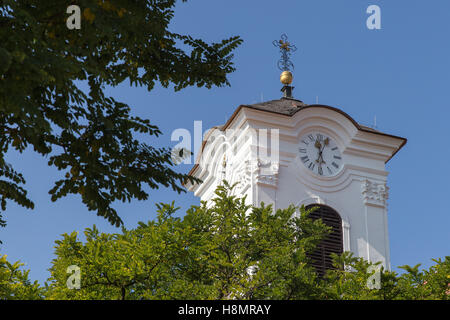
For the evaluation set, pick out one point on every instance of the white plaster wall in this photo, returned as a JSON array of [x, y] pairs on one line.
[[358, 192]]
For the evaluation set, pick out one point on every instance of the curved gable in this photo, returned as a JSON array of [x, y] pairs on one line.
[[289, 107]]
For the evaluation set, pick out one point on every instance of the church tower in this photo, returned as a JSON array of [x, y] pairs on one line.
[[284, 152]]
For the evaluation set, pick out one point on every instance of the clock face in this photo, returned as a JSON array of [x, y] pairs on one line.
[[320, 154]]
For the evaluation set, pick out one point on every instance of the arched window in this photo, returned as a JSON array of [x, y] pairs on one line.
[[321, 257]]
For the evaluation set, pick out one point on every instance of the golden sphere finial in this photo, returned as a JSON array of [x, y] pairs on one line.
[[286, 77]]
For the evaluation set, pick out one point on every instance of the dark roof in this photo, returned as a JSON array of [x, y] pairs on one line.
[[286, 106], [289, 107]]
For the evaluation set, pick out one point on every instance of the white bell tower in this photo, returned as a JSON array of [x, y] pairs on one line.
[[284, 152]]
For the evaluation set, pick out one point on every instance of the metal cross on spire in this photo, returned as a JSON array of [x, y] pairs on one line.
[[285, 64], [286, 49]]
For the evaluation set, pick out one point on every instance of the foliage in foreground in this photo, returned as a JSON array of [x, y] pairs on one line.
[[93, 139], [225, 250], [14, 282]]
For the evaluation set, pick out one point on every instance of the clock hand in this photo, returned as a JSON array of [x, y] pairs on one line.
[[321, 159], [318, 145], [325, 143]]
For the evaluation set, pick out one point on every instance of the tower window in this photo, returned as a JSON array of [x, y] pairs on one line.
[[321, 257]]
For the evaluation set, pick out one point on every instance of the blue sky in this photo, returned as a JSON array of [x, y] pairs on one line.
[[400, 74]]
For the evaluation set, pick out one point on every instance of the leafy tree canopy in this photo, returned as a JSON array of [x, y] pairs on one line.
[[227, 250], [14, 282], [89, 136]]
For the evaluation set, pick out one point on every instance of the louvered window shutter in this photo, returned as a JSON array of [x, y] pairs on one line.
[[321, 257]]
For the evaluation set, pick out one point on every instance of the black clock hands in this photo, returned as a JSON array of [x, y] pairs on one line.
[[319, 146], [320, 160]]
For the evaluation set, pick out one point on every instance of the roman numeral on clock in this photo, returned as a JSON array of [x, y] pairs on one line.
[[311, 166], [337, 157], [305, 159], [335, 164], [302, 150]]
